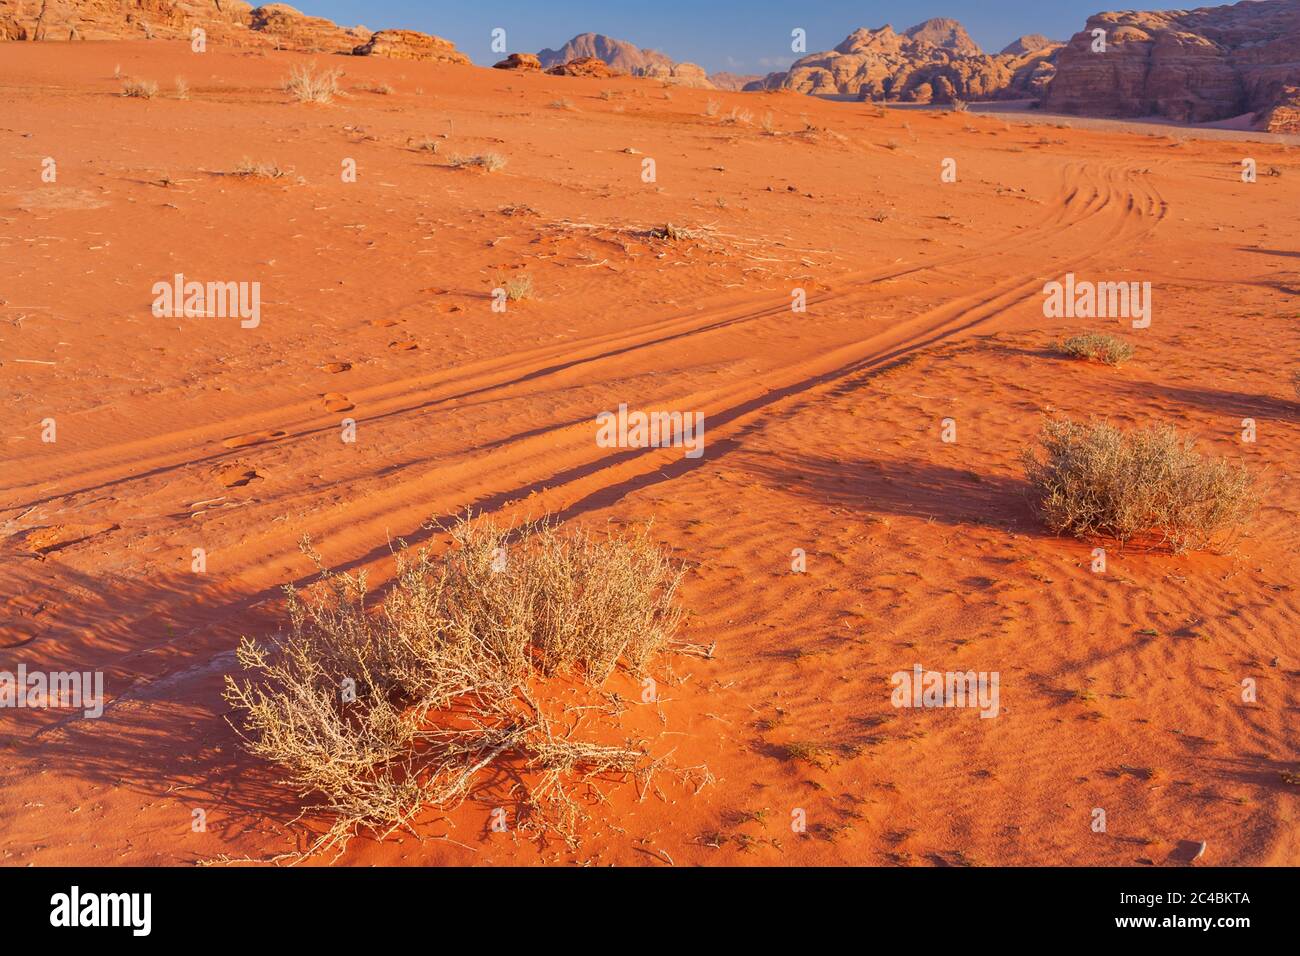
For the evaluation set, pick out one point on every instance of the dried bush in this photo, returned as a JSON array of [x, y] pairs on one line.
[[1097, 347], [1098, 480], [382, 713], [142, 89], [517, 287], [490, 162], [249, 169], [308, 86]]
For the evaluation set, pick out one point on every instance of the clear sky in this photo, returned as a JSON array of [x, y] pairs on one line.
[[744, 36]]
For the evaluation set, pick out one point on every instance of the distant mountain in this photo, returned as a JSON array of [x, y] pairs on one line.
[[946, 34], [1029, 43], [619, 54], [625, 57], [733, 81], [935, 61]]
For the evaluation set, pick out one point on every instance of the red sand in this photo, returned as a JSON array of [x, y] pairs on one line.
[[1119, 691]]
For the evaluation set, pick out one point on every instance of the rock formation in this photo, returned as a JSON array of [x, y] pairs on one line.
[[229, 22], [1188, 65], [524, 62], [619, 55], [583, 66], [732, 81], [935, 61], [410, 45]]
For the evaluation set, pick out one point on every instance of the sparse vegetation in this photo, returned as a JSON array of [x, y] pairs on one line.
[[562, 104], [674, 233], [737, 117], [960, 106], [489, 162], [769, 124], [379, 715], [141, 89], [425, 145], [1098, 480], [383, 89], [182, 88], [712, 107], [1095, 346], [517, 287], [249, 169], [308, 86]]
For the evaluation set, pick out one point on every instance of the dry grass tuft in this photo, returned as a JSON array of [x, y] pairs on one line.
[[141, 89], [517, 287], [1095, 346], [490, 162], [673, 233], [252, 170], [308, 86], [382, 713], [1098, 480], [182, 88]]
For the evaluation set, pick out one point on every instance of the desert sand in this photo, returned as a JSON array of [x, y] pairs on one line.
[[1120, 691]]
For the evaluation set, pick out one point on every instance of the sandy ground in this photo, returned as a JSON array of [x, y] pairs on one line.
[[1120, 691]]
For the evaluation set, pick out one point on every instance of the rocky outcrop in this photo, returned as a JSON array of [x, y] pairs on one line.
[[617, 54], [410, 45], [935, 61], [1029, 43], [679, 74], [1284, 115], [524, 62], [583, 66], [1187, 65], [292, 30], [732, 81], [228, 22]]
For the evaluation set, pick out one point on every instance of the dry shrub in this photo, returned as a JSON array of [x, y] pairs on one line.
[[382, 713], [142, 89], [1098, 480], [490, 162], [1295, 382], [563, 104], [249, 169], [516, 287], [671, 233], [1095, 346], [308, 86], [182, 88]]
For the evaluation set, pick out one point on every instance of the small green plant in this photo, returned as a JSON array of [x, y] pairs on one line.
[[1097, 347]]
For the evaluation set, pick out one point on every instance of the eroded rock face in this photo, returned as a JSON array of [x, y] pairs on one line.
[[935, 61], [583, 66], [1187, 65], [680, 74], [228, 22], [1284, 115], [410, 45], [732, 81], [617, 54], [524, 62]]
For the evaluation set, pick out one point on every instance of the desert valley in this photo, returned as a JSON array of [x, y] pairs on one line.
[[274, 291]]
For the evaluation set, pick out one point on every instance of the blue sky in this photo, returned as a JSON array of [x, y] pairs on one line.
[[746, 36]]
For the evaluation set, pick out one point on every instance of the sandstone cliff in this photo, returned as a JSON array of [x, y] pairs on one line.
[[231, 22], [935, 61], [1188, 65]]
